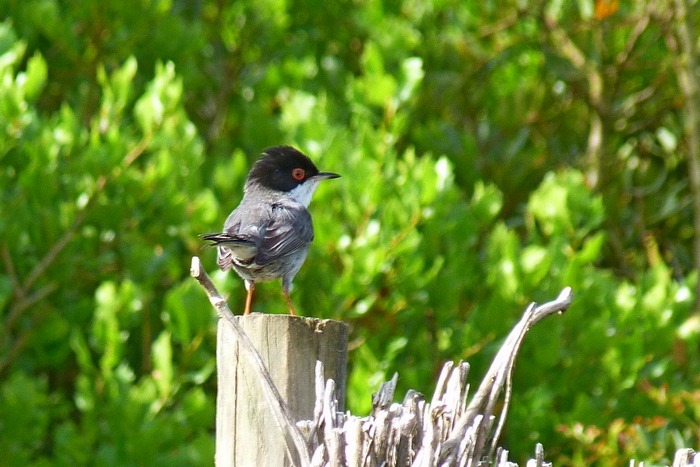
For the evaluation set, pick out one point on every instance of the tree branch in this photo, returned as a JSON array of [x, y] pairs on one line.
[[22, 288], [55, 250], [639, 28], [689, 84], [68, 235], [561, 41], [12, 274], [485, 398], [24, 303], [443, 431]]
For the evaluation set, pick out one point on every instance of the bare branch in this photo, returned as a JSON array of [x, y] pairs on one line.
[[55, 250], [68, 235], [442, 431], [17, 345], [689, 84], [10, 268], [213, 294], [22, 288], [502, 24], [561, 41], [24, 303], [136, 151], [639, 28]]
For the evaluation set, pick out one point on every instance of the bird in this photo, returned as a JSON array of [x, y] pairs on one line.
[[268, 235]]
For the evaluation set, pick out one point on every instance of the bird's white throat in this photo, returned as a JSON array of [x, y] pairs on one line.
[[304, 192]]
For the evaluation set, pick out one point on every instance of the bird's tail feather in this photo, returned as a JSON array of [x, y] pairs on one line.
[[226, 239]]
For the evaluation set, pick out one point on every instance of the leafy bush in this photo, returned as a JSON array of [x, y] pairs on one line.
[[462, 134]]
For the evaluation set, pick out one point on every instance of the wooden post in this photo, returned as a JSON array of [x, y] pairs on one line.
[[247, 432]]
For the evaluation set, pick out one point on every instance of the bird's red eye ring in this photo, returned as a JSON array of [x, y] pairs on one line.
[[298, 174]]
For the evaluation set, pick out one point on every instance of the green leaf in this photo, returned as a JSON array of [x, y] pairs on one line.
[[35, 77], [486, 202], [667, 139], [105, 326], [163, 372], [412, 74]]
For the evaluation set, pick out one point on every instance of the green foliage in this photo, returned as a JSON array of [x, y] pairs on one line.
[[470, 187], [95, 216]]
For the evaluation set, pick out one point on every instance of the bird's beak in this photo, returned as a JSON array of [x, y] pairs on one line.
[[326, 175]]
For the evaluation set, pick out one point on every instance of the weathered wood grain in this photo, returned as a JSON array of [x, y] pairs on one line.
[[289, 346]]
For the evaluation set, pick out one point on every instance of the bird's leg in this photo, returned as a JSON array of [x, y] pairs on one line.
[[250, 286], [292, 311]]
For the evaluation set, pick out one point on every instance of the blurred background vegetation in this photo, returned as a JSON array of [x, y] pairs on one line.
[[492, 153]]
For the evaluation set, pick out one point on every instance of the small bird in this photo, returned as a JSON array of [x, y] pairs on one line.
[[268, 235]]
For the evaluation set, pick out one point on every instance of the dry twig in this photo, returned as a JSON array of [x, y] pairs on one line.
[[443, 432]]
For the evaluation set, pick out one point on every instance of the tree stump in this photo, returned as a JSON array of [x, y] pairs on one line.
[[247, 431]]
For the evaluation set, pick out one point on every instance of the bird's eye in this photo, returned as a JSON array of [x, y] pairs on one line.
[[298, 174]]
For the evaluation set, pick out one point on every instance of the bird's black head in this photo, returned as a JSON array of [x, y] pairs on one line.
[[282, 168]]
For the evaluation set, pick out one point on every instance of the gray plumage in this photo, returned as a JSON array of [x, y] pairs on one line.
[[263, 241], [268, 235]]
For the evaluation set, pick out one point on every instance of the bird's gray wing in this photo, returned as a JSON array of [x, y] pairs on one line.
[[232, 248], [238, 243], [290, 228]]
